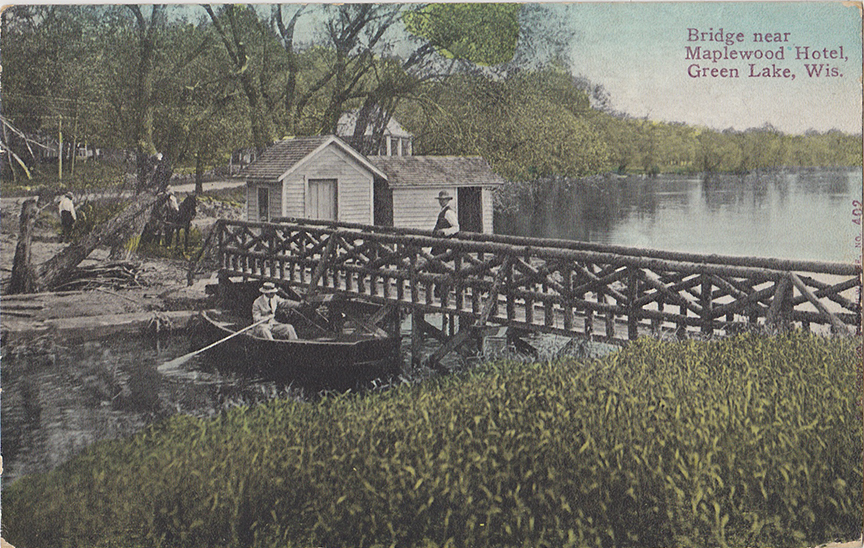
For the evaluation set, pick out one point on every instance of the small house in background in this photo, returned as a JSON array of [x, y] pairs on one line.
[[324, 178], [395, 141], [239, 159]]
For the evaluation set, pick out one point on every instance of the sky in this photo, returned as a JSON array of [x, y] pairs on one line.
[[638, 52]]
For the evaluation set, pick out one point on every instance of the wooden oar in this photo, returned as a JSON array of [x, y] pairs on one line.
[[176, 362]]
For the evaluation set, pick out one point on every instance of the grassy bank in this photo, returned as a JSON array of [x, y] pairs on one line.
[[742, 442]]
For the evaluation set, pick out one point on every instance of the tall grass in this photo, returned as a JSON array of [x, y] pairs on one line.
[[741, 442]]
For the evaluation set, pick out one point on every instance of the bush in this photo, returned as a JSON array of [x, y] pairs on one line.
[[746, 441]]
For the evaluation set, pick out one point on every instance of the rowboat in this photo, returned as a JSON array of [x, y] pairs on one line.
[[343, 360]]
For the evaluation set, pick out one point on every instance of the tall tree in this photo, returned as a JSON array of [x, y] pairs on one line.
[[147, 31], [240, 30]]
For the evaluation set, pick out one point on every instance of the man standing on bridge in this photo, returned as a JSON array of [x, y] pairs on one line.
[[447, 224]]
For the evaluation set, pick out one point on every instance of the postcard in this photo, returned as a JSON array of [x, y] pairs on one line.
[[439, 274]]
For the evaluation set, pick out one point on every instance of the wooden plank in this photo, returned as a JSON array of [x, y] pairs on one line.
[[670, 295], [429, 329], [830, 291], [365, 324]]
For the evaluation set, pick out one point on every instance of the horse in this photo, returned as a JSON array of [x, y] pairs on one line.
[[175, 221]]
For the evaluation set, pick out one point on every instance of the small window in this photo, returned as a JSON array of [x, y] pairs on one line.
[[263, 204]]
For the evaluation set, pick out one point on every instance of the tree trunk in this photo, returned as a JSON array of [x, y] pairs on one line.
[[53, 271], [120, 250], [23, 273], [199, 171]]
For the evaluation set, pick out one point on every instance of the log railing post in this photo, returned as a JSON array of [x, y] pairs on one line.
[[705, 300], [632, 309], [416, 338], [775, 317], [567, 273], [413, 282], [459, 288], [321, 267]]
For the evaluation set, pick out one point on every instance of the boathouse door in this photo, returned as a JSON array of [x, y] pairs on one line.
[[263, 204], [469, 209], [322, 199]]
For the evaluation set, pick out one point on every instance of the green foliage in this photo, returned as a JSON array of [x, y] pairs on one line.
[[485, 34], [92, 175], [741, 442], [528, 125]]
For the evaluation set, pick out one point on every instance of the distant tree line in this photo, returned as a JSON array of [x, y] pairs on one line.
[[198, 82]]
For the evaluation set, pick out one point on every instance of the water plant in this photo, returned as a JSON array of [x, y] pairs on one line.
[[748, 441]]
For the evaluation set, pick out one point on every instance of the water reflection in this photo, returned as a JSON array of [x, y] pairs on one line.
[[786, 214], [59, 397]]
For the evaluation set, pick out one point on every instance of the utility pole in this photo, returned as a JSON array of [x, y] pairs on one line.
[[60, 149]]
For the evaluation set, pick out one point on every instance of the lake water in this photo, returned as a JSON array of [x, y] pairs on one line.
[[61, 396], [803, 214]]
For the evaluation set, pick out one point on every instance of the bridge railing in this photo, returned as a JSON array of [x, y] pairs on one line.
[[607, 293]]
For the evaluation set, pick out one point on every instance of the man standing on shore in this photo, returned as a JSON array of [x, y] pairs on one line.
[[66, 207]]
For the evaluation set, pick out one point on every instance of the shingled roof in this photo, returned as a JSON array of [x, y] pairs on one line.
[[283, 156], [453, 171]]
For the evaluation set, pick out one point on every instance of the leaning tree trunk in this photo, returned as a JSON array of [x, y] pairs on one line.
[[155, 183], [121, 250], [54, 270], [23, 274]]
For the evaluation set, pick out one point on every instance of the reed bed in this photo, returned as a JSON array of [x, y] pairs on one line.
[[747, 441]]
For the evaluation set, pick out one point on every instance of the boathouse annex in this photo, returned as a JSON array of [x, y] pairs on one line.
[[324, 178]]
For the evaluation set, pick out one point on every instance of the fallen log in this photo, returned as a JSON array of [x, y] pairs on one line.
[[55, 270]]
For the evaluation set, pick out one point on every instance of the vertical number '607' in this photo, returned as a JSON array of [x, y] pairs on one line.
[[856, 212]]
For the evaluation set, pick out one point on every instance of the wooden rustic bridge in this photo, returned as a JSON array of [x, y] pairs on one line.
[[603, 293]]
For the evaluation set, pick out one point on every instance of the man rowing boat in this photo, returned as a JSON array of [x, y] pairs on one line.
[[267, 305]]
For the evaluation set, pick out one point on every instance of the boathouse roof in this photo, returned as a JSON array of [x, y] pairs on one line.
[[284, 157], [448, 171]]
